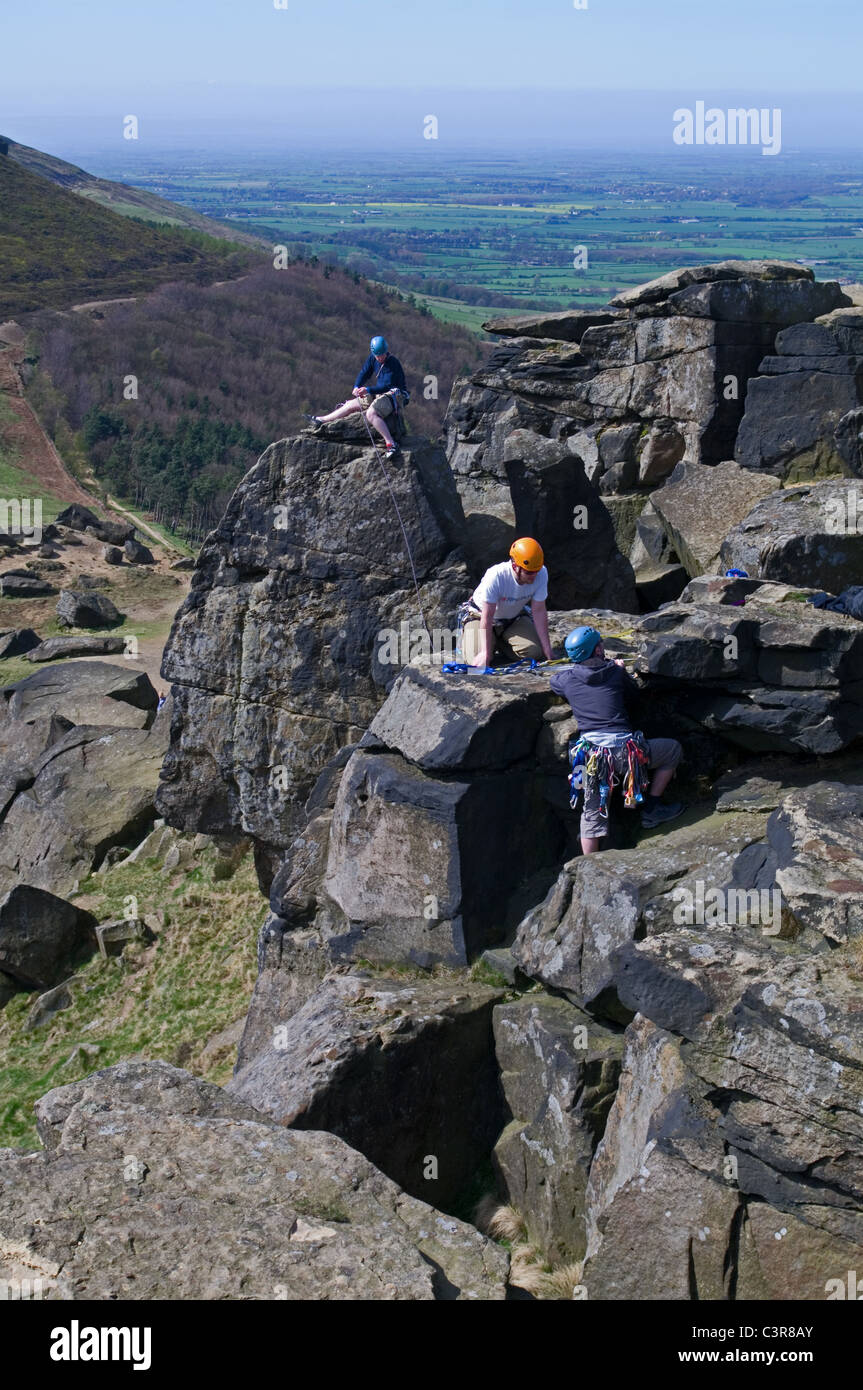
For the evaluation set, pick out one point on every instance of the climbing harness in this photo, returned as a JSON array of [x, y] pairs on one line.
[[465, 610], [594, 768]]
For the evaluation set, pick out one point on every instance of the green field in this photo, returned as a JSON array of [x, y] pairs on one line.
[[470, 236]]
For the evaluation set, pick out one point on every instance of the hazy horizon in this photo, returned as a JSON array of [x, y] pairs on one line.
[[497, 74], [609, 122]]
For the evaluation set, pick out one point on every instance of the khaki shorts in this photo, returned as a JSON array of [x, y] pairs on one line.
[[516, 639], [664, 753], [382, 406]]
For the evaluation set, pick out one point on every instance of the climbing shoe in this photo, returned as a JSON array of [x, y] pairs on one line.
[[312, 419], [392, 451], [652, 816]]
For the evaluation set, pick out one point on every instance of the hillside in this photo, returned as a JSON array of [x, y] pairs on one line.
[[121, 198], [222, 371], [57, 249]]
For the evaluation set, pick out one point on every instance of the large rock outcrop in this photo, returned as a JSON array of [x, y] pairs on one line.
[[559, 1069], [409, 850], [278, 655], [669, 1087], [156, 1185], [662, 380], [760, 1049], [731, 1162], [762, 668]]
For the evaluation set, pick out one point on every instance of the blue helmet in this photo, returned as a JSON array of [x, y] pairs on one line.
[[378, 345], [581, 643]]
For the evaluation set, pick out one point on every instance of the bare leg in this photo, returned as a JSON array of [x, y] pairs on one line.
[[349, 408], [375, 420], [660, 780], [590, 845]]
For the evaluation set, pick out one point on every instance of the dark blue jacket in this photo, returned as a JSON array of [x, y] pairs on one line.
[[597, 691], [390, 374]]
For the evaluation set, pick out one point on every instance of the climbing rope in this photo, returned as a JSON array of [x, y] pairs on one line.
[[380, 460], [526, 664]]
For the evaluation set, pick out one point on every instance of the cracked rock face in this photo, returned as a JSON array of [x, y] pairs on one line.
[[731, 1162], [421, 858], [402, 1070], [277, 656], [806, 535], [802, 410], [737, 1123], [620, 399], [67, 794], [758, 666], [154, 1184], [559, 1072]]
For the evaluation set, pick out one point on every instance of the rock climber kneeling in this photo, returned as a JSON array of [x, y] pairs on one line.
[[379, 390], [608, 751], [497, 618]]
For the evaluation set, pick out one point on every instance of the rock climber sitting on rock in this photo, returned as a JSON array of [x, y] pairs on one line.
[[608, 751], [497, 618], [376, 391]]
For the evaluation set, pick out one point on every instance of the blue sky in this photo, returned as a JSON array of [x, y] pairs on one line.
[[344, 71]]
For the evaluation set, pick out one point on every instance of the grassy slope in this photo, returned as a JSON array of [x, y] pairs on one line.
[[15, 480], [163, 1000], [121, 198], [58, 249]]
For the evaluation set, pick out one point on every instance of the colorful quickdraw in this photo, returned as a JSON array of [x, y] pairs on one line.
[[593, 769], [636, 779]]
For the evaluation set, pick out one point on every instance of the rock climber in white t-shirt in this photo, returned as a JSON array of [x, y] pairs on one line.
[[507, 610]]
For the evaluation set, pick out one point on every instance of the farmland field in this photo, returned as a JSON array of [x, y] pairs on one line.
[[473, 234]]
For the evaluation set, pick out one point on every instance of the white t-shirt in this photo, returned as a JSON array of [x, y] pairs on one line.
[[500, 586]]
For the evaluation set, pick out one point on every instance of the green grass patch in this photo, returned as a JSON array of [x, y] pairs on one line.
[[162, 1000], [171, 540], [481, 973], [16, 482], [465, 315], [15, 668]]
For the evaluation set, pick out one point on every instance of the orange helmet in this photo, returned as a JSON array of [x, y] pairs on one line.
[[527, 554]]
